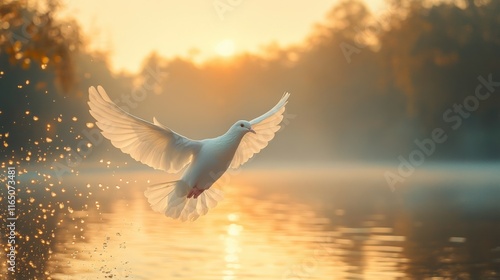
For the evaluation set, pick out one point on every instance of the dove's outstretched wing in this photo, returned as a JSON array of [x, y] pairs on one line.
[[152, 144], [265, 127]]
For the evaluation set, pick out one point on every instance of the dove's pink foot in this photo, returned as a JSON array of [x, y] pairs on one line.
[[195, 192]]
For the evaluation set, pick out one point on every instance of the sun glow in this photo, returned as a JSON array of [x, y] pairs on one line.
[[225, 48]]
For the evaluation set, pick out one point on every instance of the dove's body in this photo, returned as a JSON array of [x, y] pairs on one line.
[[161, 148], [212, 160]]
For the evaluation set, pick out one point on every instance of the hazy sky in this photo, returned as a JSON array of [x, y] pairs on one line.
[[133, 29]]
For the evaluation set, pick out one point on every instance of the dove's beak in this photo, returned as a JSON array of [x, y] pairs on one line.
[[251, 130]]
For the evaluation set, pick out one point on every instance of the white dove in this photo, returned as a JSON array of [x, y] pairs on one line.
[[161, 148]]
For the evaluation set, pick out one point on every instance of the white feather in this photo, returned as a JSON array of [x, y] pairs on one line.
[[265, 128], [154, 145]]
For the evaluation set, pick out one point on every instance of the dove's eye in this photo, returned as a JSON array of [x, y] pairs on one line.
[[242, 125]]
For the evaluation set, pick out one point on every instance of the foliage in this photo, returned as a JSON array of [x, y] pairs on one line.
[[32, 38]]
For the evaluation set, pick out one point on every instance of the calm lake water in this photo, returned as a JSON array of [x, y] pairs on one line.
[[442, 222]]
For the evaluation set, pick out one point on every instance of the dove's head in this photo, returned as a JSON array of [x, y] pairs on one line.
[[242, 127]]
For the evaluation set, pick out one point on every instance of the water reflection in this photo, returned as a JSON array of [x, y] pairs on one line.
[[280, 225]]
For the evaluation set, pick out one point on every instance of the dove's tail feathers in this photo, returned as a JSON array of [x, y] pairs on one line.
[[170, 198], [160, 195]]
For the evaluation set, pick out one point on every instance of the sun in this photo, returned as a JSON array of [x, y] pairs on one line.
[[225, 48]]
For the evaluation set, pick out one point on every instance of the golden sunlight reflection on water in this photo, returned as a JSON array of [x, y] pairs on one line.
[[254, 234], [282, 225]]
